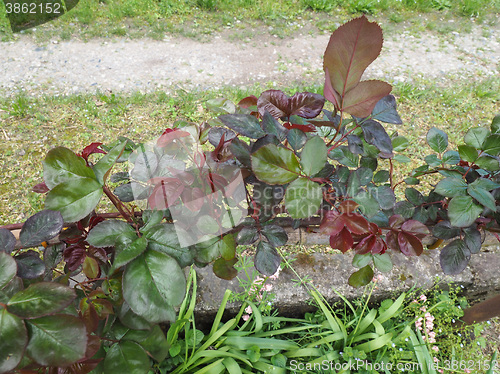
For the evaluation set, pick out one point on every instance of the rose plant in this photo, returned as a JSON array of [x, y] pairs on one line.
[[92, 293]]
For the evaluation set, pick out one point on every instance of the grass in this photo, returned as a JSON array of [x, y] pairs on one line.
[[198, 18], [31, 126]]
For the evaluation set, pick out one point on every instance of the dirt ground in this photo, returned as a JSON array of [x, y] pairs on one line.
[[66, 67]]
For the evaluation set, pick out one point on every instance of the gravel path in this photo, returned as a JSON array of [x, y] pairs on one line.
[[146, 65]]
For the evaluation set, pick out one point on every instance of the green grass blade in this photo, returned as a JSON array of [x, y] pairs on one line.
[[216, 367], [493, 361], [304, 352], [231, 365], [245, 342], [375, 343], [220, 312], [418, 349], [392, 310]]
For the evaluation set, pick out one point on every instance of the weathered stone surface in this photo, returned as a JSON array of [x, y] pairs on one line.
[[329, 274]]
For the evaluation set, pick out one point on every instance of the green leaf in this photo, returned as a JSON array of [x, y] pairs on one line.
[[404, 208], [121, 176], [130, 319], [360, 261], [414, 196], [296, 138], [57, 340], [104, 165], [245, 124], [412, 181], [437, 140], [382, 262], [475, 137], [152, 285], [271, 126], [163, 238], [467, 153], [361, 277], [491, 145], [153, 342], [400, 143], [129, 253], [275, 165], [483, 197], [276, 235], [454, 257], [13, 340], [402, 159], [10, 289], [303, 198], [105, 233], [485, 184], [41, 227], [444, 230], [451, 187], [241, 151], [495, 124], [432, 160], [41, 299], [224, 269], [126, 357], [7, 241], [370, 205], [451, 157], [381, 176], [75, 198], [313, 156], [8, 269], [462, 211], [63, 165], [344, 156], [489, 163], [267, 259]]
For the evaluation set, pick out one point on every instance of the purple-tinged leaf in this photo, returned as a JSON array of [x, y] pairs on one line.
[[7, 241], [454, 257], [267, 259], [40, 188], [306, 104], [41, 227], [215, 135], [343, 241], [361, 100], [275, 102], [351, 49], [409, 244], [375, 134], [29, 265], [385, 110], [244, 124]]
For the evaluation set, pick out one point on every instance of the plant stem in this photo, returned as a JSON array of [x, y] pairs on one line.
[[124, 212]]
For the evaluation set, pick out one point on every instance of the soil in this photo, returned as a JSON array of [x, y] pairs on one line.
[[66, 67]]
